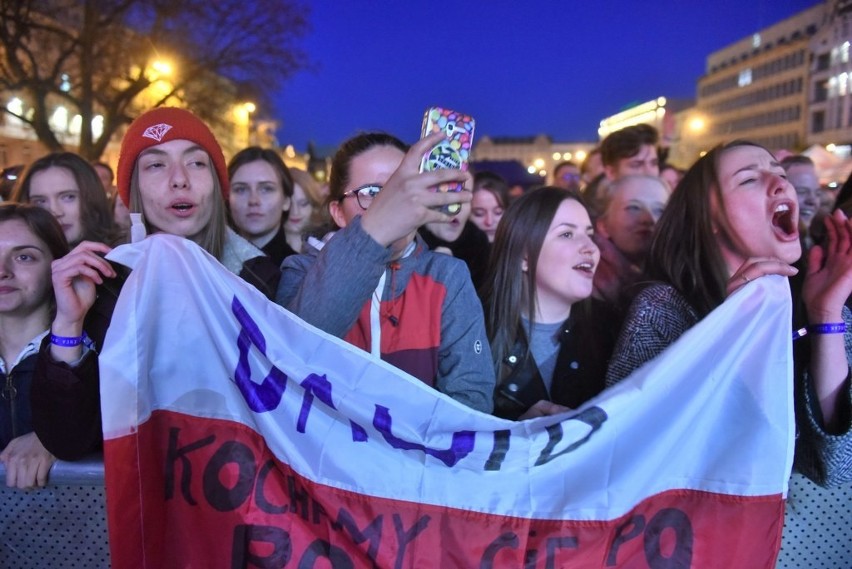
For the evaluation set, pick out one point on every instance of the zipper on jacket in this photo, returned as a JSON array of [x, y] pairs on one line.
[[10, 393]]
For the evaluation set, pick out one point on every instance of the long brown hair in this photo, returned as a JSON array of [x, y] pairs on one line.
[[95, 214], [40, 222], [685, 250], [508, 291], [43, 225]]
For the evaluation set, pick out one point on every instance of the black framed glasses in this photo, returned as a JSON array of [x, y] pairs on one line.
[[363, 195]]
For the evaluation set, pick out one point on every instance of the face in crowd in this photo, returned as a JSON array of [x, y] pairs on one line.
[[759, 210], [451, 230], [644, 162], [486, 211], [804, 179], [567, 177], [176, 188], [672, 176], [368, 172], [55, 189], [635, 206], [30, 239], [258, 201], [301, 210], [566, 263], [592, 166], [105, 176]]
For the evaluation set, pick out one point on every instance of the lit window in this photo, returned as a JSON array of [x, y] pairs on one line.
[[16, 106], [755, 41], [97, 126], [59, 119], [744, 78], [76, 123]]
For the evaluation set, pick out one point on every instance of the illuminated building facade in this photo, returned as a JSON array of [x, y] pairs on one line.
[[236, 128], [659, 113], [538, 154], [757, 88], [829, 119]]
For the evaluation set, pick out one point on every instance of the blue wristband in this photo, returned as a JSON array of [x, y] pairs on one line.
[[67, 341], [829, 328]]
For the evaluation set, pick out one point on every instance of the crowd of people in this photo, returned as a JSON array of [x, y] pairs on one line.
[[520, 306]]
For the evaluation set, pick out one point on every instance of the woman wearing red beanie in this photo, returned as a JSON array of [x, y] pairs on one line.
[[172, 171]]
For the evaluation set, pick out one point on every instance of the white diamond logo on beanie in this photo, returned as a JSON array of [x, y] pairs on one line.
[[157, 132]]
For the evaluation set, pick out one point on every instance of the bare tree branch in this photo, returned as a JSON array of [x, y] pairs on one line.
[[96, 57]]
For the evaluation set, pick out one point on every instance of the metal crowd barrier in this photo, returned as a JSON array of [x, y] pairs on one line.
[[64, 524], [60, 525]]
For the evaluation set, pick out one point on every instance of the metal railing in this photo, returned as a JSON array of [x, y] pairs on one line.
[[60, 525]]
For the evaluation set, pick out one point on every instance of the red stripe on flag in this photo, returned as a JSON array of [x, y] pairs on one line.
[[192, 492]]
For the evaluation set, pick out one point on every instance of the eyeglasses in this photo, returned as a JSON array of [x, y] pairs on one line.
[[364, 195]]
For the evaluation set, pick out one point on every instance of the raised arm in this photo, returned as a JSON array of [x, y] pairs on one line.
[[827, 285], [65, 391]]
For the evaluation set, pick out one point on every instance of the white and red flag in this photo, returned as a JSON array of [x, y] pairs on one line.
[[238, 436]]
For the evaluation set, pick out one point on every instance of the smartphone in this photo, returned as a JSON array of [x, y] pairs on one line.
[[451, 153]]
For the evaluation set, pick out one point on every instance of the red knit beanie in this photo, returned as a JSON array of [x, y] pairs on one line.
[[163, 125]]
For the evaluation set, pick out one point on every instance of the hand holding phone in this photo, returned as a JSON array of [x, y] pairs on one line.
[[453, 152]]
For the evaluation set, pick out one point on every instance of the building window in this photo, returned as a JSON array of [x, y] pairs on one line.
[[823, 61], [821, 93], [744, 78], [818, 122]]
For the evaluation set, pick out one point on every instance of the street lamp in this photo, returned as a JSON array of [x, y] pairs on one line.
[[163, 68], [697, 124], [249, 108]]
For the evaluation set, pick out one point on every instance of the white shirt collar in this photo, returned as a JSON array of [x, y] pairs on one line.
[[31, 348]]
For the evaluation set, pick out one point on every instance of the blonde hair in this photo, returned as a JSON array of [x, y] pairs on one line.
[[313, 192], [615, 186], [309, 185]]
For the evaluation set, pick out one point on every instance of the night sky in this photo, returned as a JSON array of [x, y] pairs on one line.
[[520, 68]]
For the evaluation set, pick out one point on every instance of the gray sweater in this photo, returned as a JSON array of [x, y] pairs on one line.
[[430, 320]]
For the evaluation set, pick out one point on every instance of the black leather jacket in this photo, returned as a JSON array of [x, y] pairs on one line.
[[587, 340]]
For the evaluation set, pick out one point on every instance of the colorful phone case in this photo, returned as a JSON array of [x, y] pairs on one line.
[[452, 153]]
